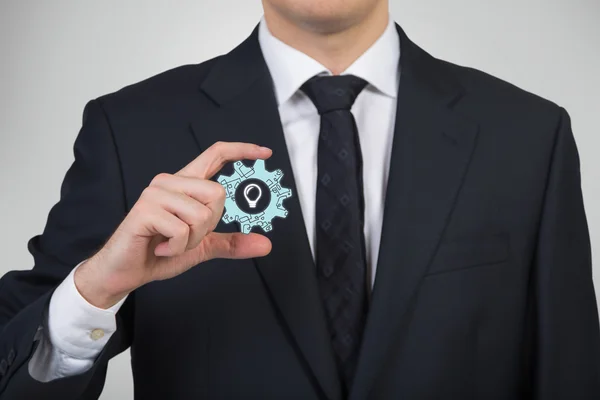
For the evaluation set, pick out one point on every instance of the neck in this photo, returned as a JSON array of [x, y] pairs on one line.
[[334, 49]]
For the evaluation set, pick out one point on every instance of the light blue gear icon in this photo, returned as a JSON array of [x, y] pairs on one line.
[[274, 209]]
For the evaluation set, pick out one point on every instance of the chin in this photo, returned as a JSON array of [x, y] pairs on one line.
[[324, 15]]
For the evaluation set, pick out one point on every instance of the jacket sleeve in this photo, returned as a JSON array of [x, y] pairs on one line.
[[567, 333], [92, 204]]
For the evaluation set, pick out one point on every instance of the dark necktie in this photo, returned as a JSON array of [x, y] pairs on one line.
[[340, 247]]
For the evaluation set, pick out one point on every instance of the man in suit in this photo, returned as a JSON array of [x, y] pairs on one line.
[[436, 244]]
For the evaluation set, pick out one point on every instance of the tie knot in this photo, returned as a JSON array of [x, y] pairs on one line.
[[330, 93]]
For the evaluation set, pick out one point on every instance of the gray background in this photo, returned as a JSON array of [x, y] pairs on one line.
[[56, 55]]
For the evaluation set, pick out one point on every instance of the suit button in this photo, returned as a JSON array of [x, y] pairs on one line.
[[97, 334], [11, 357], [3, 367]]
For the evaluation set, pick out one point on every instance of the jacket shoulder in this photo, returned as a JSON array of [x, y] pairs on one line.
[[492, 91], [169, 84]]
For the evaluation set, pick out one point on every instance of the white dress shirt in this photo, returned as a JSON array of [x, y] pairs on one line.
[[78, 331]]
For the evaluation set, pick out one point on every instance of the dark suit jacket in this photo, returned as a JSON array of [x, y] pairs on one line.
[[484, 283]]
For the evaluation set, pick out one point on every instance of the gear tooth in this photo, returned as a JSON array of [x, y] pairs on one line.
[[259, 165]]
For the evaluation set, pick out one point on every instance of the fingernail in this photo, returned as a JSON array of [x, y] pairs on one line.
[[265, 148]]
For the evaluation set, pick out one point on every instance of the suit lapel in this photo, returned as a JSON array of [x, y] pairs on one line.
[[431, 150], [244, 109]]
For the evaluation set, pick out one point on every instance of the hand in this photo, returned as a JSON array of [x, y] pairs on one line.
[[170, 229]]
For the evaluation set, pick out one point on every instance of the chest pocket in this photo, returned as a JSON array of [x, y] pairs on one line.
[[469, 252]]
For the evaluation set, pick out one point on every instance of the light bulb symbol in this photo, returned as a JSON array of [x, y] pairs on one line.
[[252, 202]]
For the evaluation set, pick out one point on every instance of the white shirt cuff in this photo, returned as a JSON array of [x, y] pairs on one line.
[[75, 327]]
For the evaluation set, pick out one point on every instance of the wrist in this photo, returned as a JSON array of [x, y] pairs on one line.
[[94, 285]]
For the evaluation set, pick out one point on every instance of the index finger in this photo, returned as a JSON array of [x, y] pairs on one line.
[[216, 156]]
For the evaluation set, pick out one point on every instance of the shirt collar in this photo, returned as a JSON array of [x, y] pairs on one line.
[[290, 68]]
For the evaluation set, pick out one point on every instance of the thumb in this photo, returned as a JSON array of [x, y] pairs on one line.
[[234, 245]]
